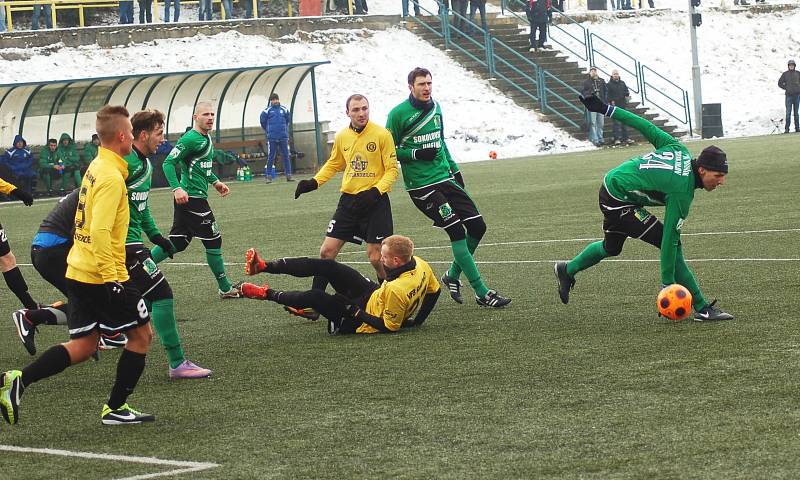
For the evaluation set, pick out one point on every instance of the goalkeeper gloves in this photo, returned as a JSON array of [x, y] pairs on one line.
[[305, 186], [165, 244], [594, 104], [366, 199], [22, 196], [427, 154]]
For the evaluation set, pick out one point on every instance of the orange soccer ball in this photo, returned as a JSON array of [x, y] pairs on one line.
[[493, 155], [674, 302]]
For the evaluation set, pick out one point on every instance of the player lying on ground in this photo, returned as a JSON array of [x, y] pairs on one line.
[[667, 176], [359, 305]]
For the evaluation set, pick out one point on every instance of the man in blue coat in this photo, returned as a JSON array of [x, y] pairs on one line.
[[275, 123], [20, 162]]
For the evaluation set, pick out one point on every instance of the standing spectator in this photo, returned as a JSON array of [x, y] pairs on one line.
[[48, 165], [68, 159], [416, 8], [559, 5], [228, 6], [594, 85], [20, 162], [361, 7], [145, 11], [790, 83], [459, 7], [479, 5], [539, 15], [618, 95], [90, 150], [205, 10], [3, 19], [48, 13], [126, 12], [177, 4], [275, 123]]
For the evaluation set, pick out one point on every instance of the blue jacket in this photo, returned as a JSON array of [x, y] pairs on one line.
[[19, 160], [275, 122]]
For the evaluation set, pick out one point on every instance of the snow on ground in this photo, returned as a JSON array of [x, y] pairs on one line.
[[741, 54]]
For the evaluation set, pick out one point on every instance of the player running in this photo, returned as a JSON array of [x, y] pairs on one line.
[[436, 185], [360, 305], [8, 262], [667, 176]]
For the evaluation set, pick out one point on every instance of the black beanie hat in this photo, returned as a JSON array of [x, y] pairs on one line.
[[274, 96], [713, 158]]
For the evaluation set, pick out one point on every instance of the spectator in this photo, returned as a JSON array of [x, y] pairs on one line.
[[275, 123], [228, 6], [145, 11], [177, 4], [650, 2], [790, 83], [539, 15], [205, 10], [20, 162], [67, 157], [405, 8], [90, 149], [594, 85], [479, 5], [3, 19], [459, 7], [48, 165], [618, 95], [126, 12], [361, 7], [47, 11], [248, 8]]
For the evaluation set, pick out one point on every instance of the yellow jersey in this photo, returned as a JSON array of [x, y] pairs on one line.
[[101, 222], [5, 187], [367, 158], [398, 299]]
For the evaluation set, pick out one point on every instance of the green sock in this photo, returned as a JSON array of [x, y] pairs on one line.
[[472, 245], [591, 255], [167, 330], [217, 265], [464, 259], [685, 277], [158, 254]]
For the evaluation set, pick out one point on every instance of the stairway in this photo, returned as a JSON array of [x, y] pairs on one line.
[[510, 32]]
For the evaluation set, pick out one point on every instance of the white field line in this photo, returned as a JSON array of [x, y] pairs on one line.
[[186, 467]]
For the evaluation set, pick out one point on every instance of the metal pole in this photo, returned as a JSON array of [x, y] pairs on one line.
[[696, 88]]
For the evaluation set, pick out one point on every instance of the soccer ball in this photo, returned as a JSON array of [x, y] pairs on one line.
[[674, 302], [493, 155]]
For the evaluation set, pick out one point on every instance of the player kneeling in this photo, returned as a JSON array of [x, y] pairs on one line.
[[360, 305]]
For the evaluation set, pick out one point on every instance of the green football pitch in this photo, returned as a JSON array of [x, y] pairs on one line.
[[600, 388]]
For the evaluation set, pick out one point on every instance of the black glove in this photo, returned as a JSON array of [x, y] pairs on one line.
[[305, 186], [459, 179], [22, 196], [366, 199], [165, 244], [424, 153], [594, 104], [115, 292]]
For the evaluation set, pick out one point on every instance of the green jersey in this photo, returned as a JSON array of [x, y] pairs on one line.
[[194, 154], [413, 128], [140, 171], [661, 177]]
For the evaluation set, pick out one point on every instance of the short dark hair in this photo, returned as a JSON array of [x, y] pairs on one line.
[[418, 72], [274, 96], [146, 121], [355, 96], [52, 140]]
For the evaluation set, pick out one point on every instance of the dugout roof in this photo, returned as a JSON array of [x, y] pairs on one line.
[[45, 110]]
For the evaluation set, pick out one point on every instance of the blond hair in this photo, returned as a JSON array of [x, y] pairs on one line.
[[107, 124], [400, 246]]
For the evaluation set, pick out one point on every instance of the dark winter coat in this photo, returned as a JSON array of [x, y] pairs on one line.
[[275, 122], [19, 160], [539, 11], [618, 92], [790, 81], [595, 86]]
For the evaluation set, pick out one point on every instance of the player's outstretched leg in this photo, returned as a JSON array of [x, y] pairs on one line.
[[565, 281], [11, 389], [253, 263], [25, 330], [217, 266]]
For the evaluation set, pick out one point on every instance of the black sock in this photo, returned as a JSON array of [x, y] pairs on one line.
[[52, 362], [129, 369], [274, 295], [17, 285], [48, 315]]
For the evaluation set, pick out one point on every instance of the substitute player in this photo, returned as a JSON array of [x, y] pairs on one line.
[[194, 154], [667, 176], [101, 296], [360, 305], [436, 185], [365, 152], [8, 262]]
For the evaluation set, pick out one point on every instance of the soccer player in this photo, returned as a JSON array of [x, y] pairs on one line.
[[667, 176], [365, 152], [194, 154], [8, 262], [360, 305], [148, 133], [100, 294], [436, 185]]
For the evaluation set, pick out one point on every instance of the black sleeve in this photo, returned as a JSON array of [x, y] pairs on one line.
[[371, 320], [427, 306]]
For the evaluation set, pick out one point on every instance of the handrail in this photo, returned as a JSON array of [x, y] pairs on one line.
[[634, 73], [684, 103]]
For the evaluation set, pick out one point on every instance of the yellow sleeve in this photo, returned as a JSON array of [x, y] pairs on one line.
[[389, 157], [334, 164], [5, 187], [394, 310], [105, 201]]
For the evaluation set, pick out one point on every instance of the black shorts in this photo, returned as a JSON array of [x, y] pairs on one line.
[[446, 203], [628, 220], [90, 310], [5, 248], [370, 226], [145, 275], [51, 263], [194, 219]]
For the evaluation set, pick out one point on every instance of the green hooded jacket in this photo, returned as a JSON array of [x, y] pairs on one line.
[[68, 154]]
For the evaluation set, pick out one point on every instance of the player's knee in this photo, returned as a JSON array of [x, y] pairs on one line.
[[476, 228], [81, 349], [139, 339], [327, 252], [180, 243], [612, 248], [7, 262], [456, 232], [214, 244]]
